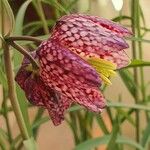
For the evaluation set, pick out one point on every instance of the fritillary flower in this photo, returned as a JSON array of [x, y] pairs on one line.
[[41, 95], [82, 52]]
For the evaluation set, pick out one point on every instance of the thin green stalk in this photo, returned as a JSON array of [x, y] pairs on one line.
[[143, 90], [4, 105], [2, 143], [38, 116], [39, 9], [140, 50], [135, 71], [12, 92], [74, 127]]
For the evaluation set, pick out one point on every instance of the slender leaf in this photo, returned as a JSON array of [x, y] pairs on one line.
[[24, 107], [10, 15], [146, 135], [57, 5], [119, 18], [138, 63], [127, 78], [3, 80], [39, 122], [142, 15], [112, 142], [20, 18], [95, 142], [138, 39], [129, 106], [102, 124]]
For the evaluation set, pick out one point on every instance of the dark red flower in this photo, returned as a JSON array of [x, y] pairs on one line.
[[41, 95], [81, 52]]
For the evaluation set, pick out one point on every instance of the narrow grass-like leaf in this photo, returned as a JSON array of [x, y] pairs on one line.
[[119, 18], [10, 15], [4, 134], [3, 80], [112, 142], [127, 78], [74, 108], [57, 5], [38, 116], [129, 106], [138, 39], [70, 6], [24, 107], [142, 16], [40, 122], [38, 23], [20, 18], [102, 124], [146, 135], [95, 142], [138, 63], [92, 143], [125, 115]]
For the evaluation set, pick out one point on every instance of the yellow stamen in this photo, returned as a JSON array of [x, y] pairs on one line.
[[104, 68]]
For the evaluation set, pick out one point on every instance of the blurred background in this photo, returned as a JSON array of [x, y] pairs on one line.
[[62, 136]]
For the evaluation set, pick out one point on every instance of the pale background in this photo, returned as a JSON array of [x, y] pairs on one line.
[[60, 138]]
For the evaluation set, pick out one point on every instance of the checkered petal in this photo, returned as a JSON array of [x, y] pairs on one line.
[[90, 36], [41, 95], [70, 75]]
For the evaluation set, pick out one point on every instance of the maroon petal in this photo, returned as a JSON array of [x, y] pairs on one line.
[[90, 36], [87, 34], [67, 73], [40, 95]]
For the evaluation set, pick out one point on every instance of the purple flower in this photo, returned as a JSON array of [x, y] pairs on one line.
[[81, 52]]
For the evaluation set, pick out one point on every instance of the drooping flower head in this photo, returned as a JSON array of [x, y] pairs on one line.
[[81, 52]]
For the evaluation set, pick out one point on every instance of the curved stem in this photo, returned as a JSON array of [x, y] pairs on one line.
[[22, 38], [12, 92], [25, 53]]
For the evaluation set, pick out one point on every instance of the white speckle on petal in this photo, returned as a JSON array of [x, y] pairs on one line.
[[74, 30], [49, 57], [80, 42], [68, 33], [60, 57], [83, 33], [64, 27], [44, 61], [77, 36], [71, 39]]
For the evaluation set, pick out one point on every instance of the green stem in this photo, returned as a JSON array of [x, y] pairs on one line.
[[141, 56], [38, 116], [135, 71], [40, 12], [23, 38], [7, 120], [4, 105], [25, 53], [12, 92], [2, 143]]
